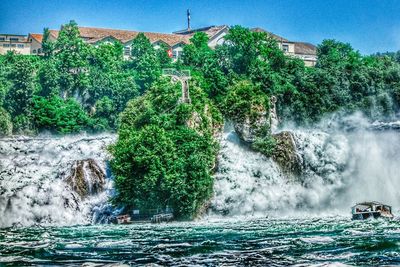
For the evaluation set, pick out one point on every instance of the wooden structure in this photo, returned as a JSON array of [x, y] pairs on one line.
[[183, 76]]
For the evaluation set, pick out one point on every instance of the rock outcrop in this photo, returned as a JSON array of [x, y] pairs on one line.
[[250, 127], [86, 178], [273, 115], [200, 122], [285, 154], [258, 122]]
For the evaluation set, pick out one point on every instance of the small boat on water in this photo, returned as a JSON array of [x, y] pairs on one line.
[[124, 219], [153, 216], [373, 209]]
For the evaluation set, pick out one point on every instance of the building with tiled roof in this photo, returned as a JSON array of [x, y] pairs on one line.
[[95, 36], [175, 41], [215, 34], [14, 42], [273, 35], [305, 51], [35, 39]]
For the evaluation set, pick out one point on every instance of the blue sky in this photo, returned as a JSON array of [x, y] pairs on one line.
[[368, 25]]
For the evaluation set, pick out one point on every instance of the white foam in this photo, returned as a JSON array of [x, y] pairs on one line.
[[32, 172], [340, 168]]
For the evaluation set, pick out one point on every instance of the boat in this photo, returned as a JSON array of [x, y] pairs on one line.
[[143, 216], [124, 219], [164, 217], [373, 209]]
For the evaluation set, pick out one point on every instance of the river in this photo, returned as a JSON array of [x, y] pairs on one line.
[[334, 241]]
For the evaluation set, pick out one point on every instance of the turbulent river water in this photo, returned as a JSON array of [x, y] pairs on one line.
[[329, 241], [51, 204]]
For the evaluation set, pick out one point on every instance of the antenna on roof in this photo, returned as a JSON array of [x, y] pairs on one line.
[[188, 19]]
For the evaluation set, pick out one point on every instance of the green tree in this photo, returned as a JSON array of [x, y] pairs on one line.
[[145, 62], [56, 115], [161, 157], [105, 114], [110, 82], [206, 62], [6, 125], [22, 79], [245, 100], [48, 46], [72, 57], [163, 57], [197, 51], [49, 78]]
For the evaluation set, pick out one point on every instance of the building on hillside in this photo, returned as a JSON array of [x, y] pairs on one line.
[[174, 41], [284, 44], [305, 51], [35, 40], [215, 34], [96, 36], [14, 42]]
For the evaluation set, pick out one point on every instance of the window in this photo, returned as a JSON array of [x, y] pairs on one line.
[[2, 39], [20, 46], [176, 54], [13, 45], [34, 51], [221, 41], [13, 39], [285, 48], [127, 51], [6, 45], [39, 51]]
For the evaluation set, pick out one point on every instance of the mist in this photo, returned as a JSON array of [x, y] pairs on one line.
[[344, 160]]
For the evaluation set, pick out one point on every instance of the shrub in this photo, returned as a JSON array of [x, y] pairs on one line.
[[6, 125]]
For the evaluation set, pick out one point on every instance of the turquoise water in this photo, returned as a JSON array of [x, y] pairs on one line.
[[277, 242]]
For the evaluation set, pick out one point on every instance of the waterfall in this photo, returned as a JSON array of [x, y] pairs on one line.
[[340, 166], [37, 178], [65, 180]]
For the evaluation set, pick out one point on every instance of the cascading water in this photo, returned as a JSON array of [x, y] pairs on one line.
[[37, 179], [340, 166], [59, 180]]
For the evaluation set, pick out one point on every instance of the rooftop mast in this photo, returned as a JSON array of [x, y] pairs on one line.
[[188, 19]]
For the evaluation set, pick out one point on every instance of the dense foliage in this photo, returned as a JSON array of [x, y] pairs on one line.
[[166, 152], [58, 115], [166, 149], [343, 80], [5, 123], [74, 86]]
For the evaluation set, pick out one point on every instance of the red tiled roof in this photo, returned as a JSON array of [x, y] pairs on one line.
[[93, 35], [37, 36], [54, 33]]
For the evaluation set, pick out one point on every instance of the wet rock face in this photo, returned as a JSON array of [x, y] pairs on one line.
[[249, 128], [285, 154], [86, 178], [33, 171], [200, 122], [273, 115], [194, 121]]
